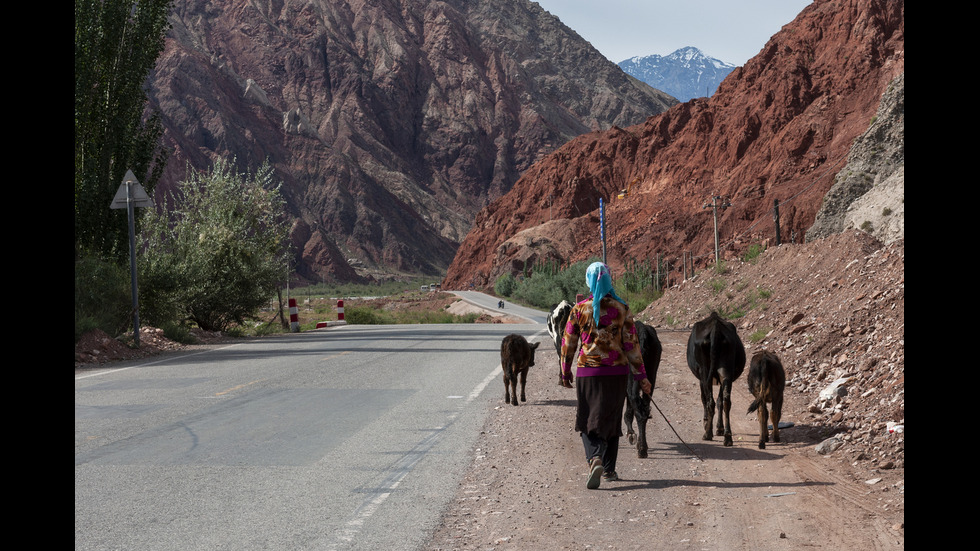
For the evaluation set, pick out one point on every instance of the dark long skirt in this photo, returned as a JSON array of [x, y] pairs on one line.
[[600, 405]]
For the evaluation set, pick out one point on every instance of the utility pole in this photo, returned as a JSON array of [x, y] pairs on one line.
[[715, 205]]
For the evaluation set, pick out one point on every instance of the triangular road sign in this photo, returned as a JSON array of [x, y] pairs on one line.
[[139, 196]]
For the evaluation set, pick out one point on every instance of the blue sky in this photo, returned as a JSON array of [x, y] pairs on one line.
[[730, 30]]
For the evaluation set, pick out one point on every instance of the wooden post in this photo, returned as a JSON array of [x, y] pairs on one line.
[[657, 287], [775, 203]]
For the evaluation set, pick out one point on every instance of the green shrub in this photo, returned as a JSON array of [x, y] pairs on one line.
[[547, 284], [103, 297], [717, 285], [217, 251], [731, 311], [364, 316], [504, 286], [539, 291], [360, 315], [178, 332]]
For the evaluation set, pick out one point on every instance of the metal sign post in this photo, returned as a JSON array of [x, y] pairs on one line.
[[129, 196]]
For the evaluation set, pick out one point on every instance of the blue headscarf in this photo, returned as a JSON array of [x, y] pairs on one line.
[[600, 283]]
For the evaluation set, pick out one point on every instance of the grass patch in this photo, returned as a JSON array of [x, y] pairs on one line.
[[717, 284], [752, 253], [737, 305], [731, 311], [757, 336], [363, 315]]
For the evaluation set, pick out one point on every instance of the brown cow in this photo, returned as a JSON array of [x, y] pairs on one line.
[[767, 379], [516, 355]]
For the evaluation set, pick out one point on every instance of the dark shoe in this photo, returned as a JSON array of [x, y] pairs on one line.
[[610, 476], [595, 473]]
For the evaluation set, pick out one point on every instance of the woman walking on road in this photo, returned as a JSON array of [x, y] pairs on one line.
[[601, 331]]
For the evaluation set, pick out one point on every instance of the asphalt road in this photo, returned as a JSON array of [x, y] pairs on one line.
[[491, 303], [350, 438]]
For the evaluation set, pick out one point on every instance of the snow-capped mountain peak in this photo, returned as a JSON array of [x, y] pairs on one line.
[[686, 73]]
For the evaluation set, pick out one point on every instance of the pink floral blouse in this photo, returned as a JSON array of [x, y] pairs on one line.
[[610, 349]]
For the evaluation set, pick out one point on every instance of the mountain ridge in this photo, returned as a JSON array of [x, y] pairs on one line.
[[390, 122]]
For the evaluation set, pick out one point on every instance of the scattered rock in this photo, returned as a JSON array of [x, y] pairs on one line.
[[835, 392], [97, 348], [829, 446]]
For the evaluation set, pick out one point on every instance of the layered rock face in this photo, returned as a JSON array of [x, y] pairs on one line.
[[869, 192], [390, 122], [777, 130]]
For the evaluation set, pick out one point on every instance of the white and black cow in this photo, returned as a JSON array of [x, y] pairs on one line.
[[715, 354], [557, 320], [516, 356], [767, 381], [637, 402]]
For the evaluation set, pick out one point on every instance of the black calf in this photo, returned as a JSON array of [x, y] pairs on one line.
[[516, 355], [638, 403]]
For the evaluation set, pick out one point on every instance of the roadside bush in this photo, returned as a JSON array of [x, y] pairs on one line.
[[103, 297], [571, 280], [504, 286], [547, 286], [217, 252], [364, 316], [539, 291], [178, 332]]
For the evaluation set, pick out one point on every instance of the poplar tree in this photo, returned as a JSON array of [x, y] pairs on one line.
[[117, 43]]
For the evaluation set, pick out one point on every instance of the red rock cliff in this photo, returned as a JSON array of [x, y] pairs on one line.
[[779, 128]]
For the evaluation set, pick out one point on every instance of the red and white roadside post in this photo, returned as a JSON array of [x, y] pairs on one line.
[[293, 316], [340, 317]]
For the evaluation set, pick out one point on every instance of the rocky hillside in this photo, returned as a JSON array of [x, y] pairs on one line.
[[390, 122], [779, 129], [834, 311]]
